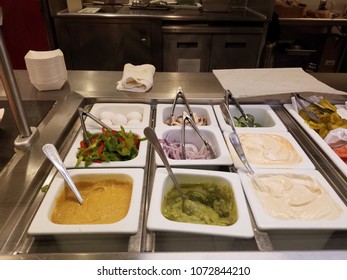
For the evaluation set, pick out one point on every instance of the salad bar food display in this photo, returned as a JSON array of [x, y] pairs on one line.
[[279, 195], [131, 208]]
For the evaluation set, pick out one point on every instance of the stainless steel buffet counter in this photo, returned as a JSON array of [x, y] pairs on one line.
[[28, 171]]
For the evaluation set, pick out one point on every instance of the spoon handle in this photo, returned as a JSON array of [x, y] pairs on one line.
[[53, 155], [152, 137], [234, 138], [238, 106]]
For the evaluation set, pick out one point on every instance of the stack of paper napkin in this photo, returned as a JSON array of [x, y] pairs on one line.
[[46, 69]]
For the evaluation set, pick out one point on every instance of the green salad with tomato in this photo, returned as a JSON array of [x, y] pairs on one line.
[[109, 145]]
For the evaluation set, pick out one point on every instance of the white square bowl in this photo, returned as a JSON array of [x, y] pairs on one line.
[[120, 108], [289, 140], [42, 224], [162, 184], [164, 111], [139, 161], [267, 222], [263, 114], [212, 135]]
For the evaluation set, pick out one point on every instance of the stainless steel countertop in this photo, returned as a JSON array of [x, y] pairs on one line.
[[103, 84], [237, 15], [26, 173], [196, 85]]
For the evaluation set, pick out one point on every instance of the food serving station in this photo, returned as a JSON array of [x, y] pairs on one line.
[[28, 171]]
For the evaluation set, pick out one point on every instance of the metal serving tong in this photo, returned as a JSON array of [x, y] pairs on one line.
[[83, 114], [229, 96], [315, 104], [187, 117], [179, 94], [312, 115], [234, 138]]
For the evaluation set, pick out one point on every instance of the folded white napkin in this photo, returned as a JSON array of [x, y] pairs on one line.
[[138, 78]]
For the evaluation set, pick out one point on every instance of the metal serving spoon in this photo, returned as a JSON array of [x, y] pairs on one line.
[[188, 206], [52, 154]]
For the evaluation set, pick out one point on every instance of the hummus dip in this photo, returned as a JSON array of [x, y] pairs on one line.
[[106, 200], [294, 196], [215, 205]]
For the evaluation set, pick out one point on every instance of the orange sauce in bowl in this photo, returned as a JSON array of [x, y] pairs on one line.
[[106, 200]]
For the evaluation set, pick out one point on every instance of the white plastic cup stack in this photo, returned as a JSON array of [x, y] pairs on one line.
[[46, 69]]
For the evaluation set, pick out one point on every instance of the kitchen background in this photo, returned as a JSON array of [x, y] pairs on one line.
[[27, 26], [336, 5]]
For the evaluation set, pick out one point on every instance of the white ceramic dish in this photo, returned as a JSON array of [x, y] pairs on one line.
[[263, 114], [164, 110], [212, 135], [304, 163], [123, 109], [319, 140], [42, 225], [267, 222], [139, 161], [162, 183]]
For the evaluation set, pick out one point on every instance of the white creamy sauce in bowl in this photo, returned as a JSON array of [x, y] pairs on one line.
[[269, 149], [294, 196]]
